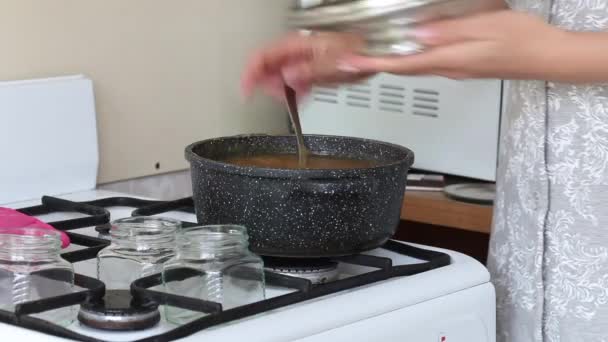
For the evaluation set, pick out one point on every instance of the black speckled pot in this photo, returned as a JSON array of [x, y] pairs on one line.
[[302, 213]]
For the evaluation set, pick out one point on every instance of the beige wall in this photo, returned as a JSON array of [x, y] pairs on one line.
[[165, 71]]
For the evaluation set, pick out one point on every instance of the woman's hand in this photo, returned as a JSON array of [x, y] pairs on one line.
[[301, 61], [500, 44]]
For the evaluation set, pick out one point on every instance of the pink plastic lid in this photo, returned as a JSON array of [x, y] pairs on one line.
[[10, 218]]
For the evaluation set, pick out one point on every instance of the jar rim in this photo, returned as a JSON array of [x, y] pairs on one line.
[[202, 241], [29, 237], [213, 237], [215, 230], [144, 225]]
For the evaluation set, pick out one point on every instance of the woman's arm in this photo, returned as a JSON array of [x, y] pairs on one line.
[[582, 57], [495, 44], [502, 44], [301, 61]]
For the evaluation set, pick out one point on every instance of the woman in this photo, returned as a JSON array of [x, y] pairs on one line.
[[549, 247]]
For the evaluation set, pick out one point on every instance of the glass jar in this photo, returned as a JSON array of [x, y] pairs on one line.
[[31, 268], [139, 248], [229, 273]]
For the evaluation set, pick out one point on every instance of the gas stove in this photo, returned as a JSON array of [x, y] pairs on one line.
[[398, 292]]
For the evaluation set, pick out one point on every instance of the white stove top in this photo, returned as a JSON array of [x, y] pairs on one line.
[[321, 317]]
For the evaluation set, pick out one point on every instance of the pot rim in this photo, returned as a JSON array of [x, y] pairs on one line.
[[261, 172]]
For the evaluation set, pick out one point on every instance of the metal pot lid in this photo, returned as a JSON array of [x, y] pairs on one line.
[[305, 4], [328, 13], [476, 193]]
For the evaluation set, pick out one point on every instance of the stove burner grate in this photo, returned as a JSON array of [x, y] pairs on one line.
[[382, 269]]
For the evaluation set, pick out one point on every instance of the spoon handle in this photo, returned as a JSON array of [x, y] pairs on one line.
[[292, 106]]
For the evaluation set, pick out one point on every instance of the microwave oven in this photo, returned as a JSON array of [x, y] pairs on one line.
[[451, 125]]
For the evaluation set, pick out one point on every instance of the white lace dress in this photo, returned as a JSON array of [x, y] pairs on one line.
[[549, 249]]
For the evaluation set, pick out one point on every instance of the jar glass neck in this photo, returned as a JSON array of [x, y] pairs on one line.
[[212, 241], [143, 233], [29, 244]]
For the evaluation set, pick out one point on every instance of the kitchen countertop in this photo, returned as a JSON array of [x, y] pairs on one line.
[[435, 208]]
